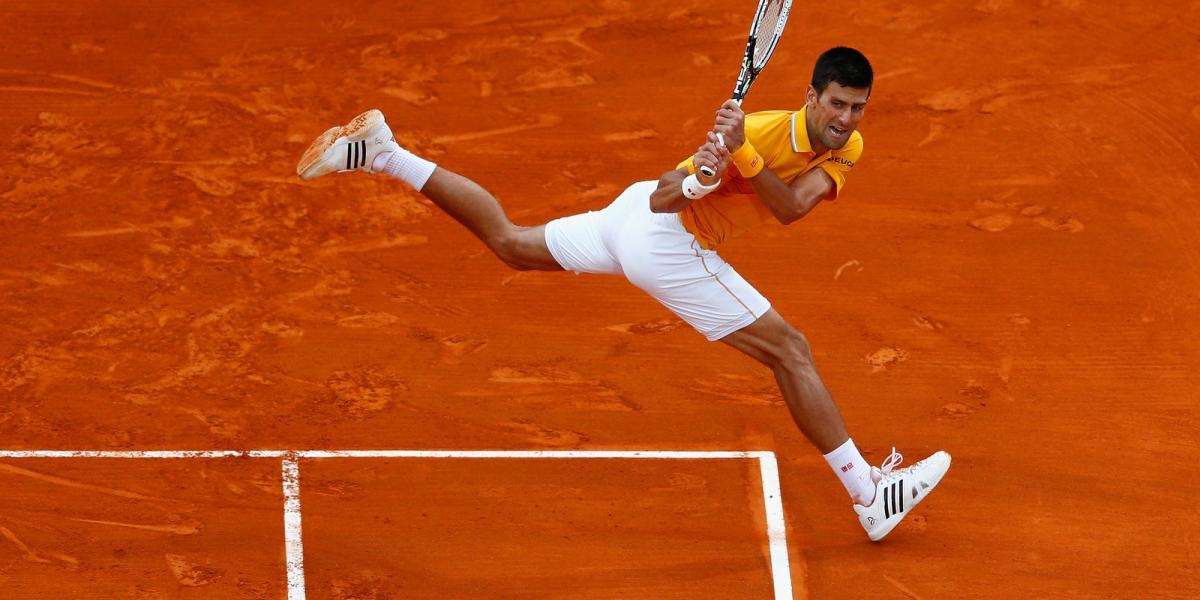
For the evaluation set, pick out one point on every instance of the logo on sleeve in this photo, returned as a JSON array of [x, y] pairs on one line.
[[849, 164]]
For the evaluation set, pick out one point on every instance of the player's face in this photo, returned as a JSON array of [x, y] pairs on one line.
[[834, 114]]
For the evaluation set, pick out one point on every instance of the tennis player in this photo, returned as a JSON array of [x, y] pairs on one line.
[[663, 237]]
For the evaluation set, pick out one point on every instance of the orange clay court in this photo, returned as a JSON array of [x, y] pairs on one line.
[[1012, 274]]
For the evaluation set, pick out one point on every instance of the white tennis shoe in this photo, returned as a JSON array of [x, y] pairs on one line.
[[352, 147], [897, 491]]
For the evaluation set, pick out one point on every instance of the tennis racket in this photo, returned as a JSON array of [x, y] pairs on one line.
[[765, 31]]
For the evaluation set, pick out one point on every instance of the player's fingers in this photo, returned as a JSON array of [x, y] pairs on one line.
[[731, 121]]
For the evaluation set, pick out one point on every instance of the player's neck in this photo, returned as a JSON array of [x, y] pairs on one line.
[[814, 141]]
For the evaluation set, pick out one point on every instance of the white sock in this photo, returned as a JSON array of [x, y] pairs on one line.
[[405, 166], [854, 472]]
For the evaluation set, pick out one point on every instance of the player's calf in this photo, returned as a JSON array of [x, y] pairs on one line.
[[367, 144]]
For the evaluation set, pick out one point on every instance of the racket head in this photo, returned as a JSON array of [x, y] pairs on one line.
[[765, 31]]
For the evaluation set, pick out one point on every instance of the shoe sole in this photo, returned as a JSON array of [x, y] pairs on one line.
[[880, 534], [312, 163]]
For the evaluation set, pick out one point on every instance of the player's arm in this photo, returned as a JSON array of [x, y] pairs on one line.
[[669, 197], [791, 202], [787, 202]]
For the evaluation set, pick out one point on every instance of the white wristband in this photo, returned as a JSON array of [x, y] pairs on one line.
[[694, 190]]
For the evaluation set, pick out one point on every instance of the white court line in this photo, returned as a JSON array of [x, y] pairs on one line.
[[656, 454], [294, 548], [143, 453], [172, 454], [776, 528], [293, 543]]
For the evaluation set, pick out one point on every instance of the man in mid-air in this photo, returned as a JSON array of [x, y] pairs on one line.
[[662, 236]]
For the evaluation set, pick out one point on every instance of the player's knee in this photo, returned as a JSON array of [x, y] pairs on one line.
[[793, 351], [510, 249], [517, 264]]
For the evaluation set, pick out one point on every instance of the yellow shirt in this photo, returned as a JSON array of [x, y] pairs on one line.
[[781, 137]]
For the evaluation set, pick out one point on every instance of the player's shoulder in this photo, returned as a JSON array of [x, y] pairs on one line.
[[769, 127], [768, 116], [770, 113]]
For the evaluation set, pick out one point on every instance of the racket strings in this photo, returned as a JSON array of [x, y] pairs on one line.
[[767, 29]]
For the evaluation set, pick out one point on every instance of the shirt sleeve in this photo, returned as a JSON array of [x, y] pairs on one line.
[[840, 162]]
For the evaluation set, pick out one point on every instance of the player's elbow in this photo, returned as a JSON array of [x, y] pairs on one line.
[[792, 213], [800, 206], [789, 217]]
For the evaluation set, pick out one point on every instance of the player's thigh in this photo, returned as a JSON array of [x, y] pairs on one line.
[[666, 262], [576, 243]]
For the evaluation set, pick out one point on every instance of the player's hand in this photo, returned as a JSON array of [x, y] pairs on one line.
[[713, 156], [731, 123]]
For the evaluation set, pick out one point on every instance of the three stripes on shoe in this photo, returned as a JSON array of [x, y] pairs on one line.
[[893, 498], [356, 154]]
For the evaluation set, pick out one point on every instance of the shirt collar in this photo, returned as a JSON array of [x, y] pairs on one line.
[[800, 141]]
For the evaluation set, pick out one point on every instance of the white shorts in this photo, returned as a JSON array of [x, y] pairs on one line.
[[658, 255]]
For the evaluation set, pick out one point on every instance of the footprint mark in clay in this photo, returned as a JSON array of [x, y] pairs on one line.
[[885, 358], [455, 347], [191, 574], [648, 327]]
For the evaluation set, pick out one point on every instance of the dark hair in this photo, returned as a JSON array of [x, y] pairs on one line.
[[847, 66]]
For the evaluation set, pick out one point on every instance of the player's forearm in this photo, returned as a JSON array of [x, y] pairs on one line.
[[669, 198], [779, 197]]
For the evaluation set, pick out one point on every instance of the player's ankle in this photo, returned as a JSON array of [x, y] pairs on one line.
[[852, 470], [866, 501], [405, 166]]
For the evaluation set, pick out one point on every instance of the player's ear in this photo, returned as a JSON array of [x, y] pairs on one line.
[[811, 95]]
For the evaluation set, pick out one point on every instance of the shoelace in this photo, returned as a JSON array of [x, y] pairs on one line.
[[890, 463]]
